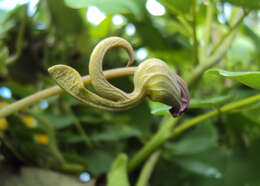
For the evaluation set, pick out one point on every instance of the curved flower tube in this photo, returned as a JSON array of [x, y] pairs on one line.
[[153, 78]]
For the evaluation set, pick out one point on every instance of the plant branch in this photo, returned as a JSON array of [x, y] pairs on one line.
[[194, 31], [30, 100], [163, 135], [209, 21], [159, 138], [147, 169], [232, 29], [180, 16], [218, 55], [53, 147], [19, 42], [212, 60]]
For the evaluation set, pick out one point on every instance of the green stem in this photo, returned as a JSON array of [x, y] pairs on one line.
[[194, 31], [19, 41], [207, 33], [79, 127], [147, 169], [217, 55], [162, 135], [30, 100], [231, 30], [180, 16], [53, 147], [211, 61]]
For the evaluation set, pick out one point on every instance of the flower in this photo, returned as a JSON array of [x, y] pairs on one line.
[[42, 139]]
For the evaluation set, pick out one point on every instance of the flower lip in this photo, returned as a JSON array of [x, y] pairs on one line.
[[185, 98]]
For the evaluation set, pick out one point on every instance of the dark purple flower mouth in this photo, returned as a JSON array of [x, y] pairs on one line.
[[185, 98]]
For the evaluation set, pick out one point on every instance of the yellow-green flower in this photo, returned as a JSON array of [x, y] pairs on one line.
[[3, 124], [29, 121], [42, 139]]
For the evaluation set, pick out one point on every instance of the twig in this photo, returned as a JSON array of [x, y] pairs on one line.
[[19, 41], [180, 16], [209, 21], [147, 169], [194, 31], [232, 29]]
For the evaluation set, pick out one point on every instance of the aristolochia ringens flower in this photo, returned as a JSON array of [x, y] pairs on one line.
[[153, 78]]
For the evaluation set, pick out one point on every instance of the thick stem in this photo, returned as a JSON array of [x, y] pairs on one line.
[[159, 138], [25, 102]]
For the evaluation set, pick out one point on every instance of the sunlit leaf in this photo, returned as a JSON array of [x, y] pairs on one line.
[[111, 6], [118, 173], [159, 108], [251, 79]]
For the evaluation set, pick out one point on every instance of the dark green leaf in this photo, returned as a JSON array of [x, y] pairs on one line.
[[60, 122], [200, 139], [116, 133], [254, 4], [210, 102]]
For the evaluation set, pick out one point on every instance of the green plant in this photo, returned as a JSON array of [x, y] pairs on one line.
[[191, 38]]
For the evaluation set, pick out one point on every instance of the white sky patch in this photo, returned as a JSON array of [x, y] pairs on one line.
[[32, 6], [130, 29], [141, 53], [94, 15], [223, 17], [84, 177], [5, 92], [155, 8], [11, 4], [118, 19]]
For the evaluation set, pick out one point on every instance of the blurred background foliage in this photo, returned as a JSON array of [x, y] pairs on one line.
[[35, 35]]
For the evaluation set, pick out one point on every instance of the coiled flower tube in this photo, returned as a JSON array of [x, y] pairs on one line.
[[153, 78]]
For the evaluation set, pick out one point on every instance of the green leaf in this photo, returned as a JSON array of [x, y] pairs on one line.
[[201, 168], [254, 4], [177, 6], [111, 6], [116, 133], [199, 140], [36, 176], [60, 122], [118, 173], [65, 19], [159, 108], [251, 79], [210, 102]]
